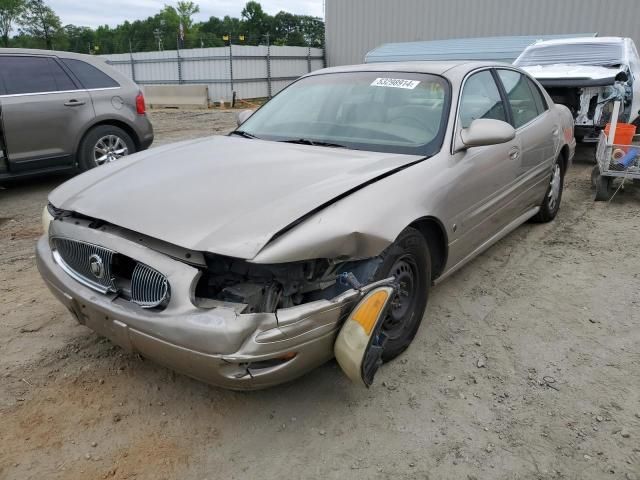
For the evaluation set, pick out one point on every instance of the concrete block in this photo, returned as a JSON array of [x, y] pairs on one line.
[[187, 96]]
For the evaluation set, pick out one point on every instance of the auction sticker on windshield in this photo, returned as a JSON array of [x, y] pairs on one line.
[[395, 83]]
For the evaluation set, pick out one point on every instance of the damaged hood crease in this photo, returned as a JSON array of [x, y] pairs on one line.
[[237, 195]]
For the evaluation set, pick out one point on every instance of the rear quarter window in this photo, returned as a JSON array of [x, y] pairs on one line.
[[89, 76]]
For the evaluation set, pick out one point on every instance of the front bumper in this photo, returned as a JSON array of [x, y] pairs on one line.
[[218, 346]]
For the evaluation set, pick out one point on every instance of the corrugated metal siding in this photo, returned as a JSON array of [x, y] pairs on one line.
[[498, 49], [354, 27], [212, 66]]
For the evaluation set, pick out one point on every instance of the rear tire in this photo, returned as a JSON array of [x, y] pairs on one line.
[[104, 144], [553, 196], [409, 260]]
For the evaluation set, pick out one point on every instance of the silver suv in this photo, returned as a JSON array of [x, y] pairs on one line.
[[65, 111]]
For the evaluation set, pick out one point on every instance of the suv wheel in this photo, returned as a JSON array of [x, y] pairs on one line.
[[104, 144]]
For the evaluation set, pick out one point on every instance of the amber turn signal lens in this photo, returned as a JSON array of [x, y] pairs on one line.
[[368, 311]]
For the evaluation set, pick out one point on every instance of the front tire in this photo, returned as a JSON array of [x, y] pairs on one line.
[[409, 261], [104, 144], [553, 196]]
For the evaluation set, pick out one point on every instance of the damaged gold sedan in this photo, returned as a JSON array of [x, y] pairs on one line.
[[238, 259]]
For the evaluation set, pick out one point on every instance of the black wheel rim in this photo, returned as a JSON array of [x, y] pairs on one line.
[[402, 308]]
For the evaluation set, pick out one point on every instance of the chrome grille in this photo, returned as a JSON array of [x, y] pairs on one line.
[[79, 257], [144, 285], [149, 288]]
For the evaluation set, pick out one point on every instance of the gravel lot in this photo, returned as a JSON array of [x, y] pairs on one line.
[[468, 400]]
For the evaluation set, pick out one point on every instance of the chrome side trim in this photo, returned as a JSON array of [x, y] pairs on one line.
[[59, 91]]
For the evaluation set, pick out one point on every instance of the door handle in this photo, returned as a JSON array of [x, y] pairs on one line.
[[74, 103], [514, 153]]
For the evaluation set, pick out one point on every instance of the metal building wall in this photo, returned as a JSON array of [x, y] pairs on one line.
[[255, 68], [353, 27]]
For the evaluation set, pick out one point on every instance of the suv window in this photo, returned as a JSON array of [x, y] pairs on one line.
[[481, 99], [89, 76], [521, 99], [33, 75]]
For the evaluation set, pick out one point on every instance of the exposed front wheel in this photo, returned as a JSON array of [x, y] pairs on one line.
[[104, 144], [409, 261]]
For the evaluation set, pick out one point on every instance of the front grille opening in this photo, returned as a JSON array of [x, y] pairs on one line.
[[140, 283], [123, 266]]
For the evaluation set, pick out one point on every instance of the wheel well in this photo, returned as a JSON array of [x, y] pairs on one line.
[[434, 233], [116, 123], [564, 153]]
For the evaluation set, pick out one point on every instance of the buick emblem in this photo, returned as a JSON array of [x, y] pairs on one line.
[[96, 265]]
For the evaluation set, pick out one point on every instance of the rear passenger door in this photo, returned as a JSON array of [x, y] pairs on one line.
[[537, 132], [44, 112]]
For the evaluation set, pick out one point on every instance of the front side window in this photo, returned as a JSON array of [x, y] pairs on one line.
[[481, 99], [89, 76], [521, 99], [22, 75], [377, 111]]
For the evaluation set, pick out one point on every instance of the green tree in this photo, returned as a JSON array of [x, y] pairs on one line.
[[40, 26], [186, 10], [257, 22], [41, 22], [10, 11], [79, 39]]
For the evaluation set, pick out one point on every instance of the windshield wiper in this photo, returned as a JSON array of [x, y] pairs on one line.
[[315, 143], [242, 133]]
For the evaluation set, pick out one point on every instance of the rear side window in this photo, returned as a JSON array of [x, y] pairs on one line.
[[89, 76], [33, 75], [521, 99], [541, 104]]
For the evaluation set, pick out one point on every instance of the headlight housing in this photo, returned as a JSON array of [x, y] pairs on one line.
[[47, 218]]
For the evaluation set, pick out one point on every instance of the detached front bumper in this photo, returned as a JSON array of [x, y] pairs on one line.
[[218, 346]]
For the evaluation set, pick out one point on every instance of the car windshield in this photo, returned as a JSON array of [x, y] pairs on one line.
[[587, 53], [377, 111]]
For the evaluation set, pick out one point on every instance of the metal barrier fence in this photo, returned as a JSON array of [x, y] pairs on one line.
[[249, 71]]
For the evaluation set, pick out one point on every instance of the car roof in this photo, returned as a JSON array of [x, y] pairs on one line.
[[448, 69], [580, 40], [55, 53]]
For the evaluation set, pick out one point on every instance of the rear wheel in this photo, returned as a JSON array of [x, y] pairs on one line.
[[104, 144], [409, 261], [551, 202]]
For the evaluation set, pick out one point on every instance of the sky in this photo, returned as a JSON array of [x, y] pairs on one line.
[[93, 13]]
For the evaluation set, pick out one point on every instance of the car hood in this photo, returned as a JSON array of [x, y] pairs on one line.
[[225, 195], [564, 71]]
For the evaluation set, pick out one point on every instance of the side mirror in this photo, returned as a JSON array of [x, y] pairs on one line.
[[484, 131], [243, 116]]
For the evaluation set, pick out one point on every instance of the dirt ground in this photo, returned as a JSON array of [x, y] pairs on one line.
[[527, 366]]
